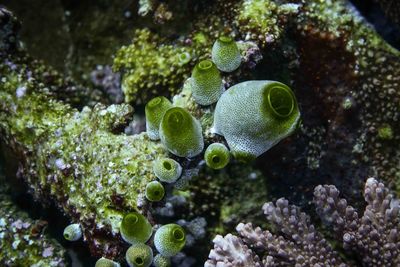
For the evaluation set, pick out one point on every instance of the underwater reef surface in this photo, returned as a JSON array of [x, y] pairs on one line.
[[80, 145]]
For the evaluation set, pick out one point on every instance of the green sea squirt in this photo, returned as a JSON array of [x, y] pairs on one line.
[[72, 232], [135, 228], [154, 111], [225, 54], [169, 239], [167, 170], [217, 156], [139, 255], [206, 83], [181, 133], [103, 262], [253, 116], [154, 191]]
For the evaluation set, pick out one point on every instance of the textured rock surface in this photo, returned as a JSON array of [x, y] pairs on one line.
[[345, 77], [23, 241]]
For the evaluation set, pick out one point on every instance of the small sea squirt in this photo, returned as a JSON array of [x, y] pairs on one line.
[[225, 54], [253, 116], [135, 228], [181, 133], [169, 239], [167, 170], [154, 111], [217, 156], [206, 83], [73, 232], [139, 255]]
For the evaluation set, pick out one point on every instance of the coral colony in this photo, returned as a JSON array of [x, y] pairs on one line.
[[323, 108]]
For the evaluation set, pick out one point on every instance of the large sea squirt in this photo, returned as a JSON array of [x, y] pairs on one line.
[[253, 116]]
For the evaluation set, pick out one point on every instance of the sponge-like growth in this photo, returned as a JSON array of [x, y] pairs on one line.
[[206, 83], [225, 54], [139, 255], [155, 110], [167, 170], [161, 261], [154, 191], [103, 262], [72, 232], [169, 239], [253, 116], [181, 133], [217, 156], [135, 228]]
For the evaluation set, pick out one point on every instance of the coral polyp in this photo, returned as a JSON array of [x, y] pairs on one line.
[[206, 83], [225, 54], [135, 228], [167, 170], [169, 239], [181, 133], [253, 116]]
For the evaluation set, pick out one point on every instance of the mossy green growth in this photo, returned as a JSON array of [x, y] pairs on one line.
[[181, 133], [385, 132], [150, 62], [253, 116], [139, 255], [155, 110], [225, 54], [135, 228], [169, 239], [167, 170], [206, 83], [217, 156], [155, 191], [103, 262], [72, 232], [161, 261], [259, 20]]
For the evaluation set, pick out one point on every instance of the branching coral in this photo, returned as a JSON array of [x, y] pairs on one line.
[[373, 237]]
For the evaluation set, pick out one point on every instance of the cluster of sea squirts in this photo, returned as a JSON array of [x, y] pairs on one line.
[[252, 116]]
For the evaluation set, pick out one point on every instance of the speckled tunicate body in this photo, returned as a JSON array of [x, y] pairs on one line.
[[255, 115], [169, 239], [167, 170], [206, 83], [181, 133], [155, 110], [135, 228], [225, 54], [72, 232], [139, 255]]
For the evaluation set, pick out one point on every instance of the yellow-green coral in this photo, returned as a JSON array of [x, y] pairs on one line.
[[258, 20], [152, 66]]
